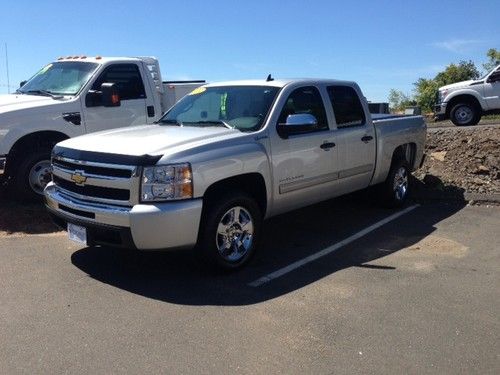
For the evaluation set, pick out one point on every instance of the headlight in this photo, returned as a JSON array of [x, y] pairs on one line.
[[166, 182], [442, 95]]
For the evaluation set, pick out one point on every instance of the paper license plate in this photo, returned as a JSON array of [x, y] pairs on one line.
[[77, 233]]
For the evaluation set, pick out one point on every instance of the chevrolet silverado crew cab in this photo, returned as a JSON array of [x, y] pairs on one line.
[[73, 96], [223, 159], [465, 102]]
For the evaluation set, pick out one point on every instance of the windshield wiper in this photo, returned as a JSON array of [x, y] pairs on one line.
[[214, 122], [43, 92], [170, 122]]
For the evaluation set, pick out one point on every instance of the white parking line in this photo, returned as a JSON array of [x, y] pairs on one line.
[[330, 249]]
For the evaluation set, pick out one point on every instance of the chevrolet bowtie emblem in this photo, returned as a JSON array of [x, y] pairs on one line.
[[78, 178]]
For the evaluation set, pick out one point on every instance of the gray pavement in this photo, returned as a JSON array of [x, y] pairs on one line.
[[418, 295]]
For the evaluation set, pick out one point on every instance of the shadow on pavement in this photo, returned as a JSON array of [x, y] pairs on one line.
[[23, 218], [175, 277]]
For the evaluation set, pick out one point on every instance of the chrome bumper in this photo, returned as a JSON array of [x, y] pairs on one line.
[[3, 162], [440, 109], [152, 226]]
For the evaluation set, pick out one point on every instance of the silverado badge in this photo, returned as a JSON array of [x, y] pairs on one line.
[[78, 178]]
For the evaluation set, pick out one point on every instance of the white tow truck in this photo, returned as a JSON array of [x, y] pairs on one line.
[[73, 96], [465, 102]]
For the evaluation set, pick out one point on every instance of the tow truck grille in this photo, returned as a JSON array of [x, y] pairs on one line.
[[96, 182]]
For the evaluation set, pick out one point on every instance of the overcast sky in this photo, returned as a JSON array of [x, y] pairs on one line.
[[379, 44]]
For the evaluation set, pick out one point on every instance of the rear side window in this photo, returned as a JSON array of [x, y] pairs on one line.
[[305, 100], [346, 106], [126, 77]]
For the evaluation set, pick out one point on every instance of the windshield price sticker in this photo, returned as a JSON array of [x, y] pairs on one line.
[[197, 91]]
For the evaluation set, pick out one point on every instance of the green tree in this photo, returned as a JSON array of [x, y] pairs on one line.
[[425, 93], [493, 59], [398, 100]]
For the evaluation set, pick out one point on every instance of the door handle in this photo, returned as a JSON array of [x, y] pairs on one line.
[[327, 145], [367, 138]]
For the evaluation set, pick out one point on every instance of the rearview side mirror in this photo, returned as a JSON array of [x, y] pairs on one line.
[[110, 95], [297, 124]]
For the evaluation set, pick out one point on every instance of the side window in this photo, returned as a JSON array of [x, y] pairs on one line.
[[305, 100], [346, 106], [126, 77]]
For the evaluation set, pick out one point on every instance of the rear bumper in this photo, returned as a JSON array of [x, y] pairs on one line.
[[169, 225]]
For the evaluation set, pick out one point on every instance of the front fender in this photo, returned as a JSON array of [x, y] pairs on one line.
[[465, 92]]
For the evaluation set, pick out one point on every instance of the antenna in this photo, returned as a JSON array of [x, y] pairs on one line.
[[269, 78], [7, 66]]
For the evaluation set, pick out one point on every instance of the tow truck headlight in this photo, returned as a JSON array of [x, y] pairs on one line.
[[166, 182]]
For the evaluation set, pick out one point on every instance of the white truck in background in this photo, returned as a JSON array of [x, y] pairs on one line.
[[465, 102], [73, 96]]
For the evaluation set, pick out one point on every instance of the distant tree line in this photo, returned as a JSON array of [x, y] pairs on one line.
[[425, 89]]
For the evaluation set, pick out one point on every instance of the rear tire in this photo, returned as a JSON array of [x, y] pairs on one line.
[[465, 114], [230, 231], [396, 188], [32, 175]]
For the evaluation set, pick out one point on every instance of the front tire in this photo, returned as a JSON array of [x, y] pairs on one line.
[[465, 114], [230, 231], [32, 175]]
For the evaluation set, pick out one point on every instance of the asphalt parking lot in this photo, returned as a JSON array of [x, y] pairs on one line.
[[419, 294]]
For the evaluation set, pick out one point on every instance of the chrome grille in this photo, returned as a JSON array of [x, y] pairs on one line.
[[97, 182]]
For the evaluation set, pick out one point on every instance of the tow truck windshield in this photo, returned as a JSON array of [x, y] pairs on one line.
[[59, 78]]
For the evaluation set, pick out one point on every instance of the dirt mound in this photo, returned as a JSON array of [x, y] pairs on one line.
[[466, 160]]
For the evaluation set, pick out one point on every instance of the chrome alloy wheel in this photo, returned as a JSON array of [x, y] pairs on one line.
[[40, 176], [464, 114], [235, 234], [400, 186]]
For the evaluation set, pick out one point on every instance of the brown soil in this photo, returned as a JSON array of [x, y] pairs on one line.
[[466, 160]]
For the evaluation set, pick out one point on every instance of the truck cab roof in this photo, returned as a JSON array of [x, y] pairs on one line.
[[281, 82]]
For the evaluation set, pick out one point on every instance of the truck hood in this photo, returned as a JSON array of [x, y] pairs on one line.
[[457, 85], [14, 102], [149, 139]]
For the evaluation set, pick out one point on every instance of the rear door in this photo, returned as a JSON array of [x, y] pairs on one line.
[[303, 164], [132, 111], [355, 136]]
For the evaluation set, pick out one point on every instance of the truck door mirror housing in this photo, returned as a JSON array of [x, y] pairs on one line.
[[297, 124], [110, 95]]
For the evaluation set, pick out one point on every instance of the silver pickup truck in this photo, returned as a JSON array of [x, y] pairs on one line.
[[223, 159]]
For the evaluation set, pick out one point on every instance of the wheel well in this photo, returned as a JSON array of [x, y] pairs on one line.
[[252, 183], [405, 152], [31, 142], [462, 99]]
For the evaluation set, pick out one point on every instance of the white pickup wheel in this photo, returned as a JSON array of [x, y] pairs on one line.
[[465, 114], [32, 175], [230, 230]]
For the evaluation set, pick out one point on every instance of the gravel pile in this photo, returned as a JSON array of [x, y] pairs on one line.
[[462, 160]]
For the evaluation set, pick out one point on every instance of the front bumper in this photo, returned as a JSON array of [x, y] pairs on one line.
[[151, 226], [3, 163], [440, 110]]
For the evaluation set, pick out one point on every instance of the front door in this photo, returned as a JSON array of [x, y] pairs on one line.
[[132, 110], [492, 90], [303, 164]]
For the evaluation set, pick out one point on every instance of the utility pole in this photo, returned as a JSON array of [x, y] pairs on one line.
[[7, 67]]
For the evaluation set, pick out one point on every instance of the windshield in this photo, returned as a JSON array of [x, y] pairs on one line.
[[238, 107], [59, 78]]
